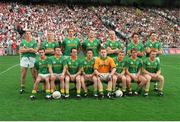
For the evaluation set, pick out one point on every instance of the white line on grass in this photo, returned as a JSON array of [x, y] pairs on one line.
[[8, 69]]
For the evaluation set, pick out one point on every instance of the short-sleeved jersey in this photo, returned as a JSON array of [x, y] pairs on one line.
[[42, 66], [31, 44], [73, 66], [104, 65], [138, 47], [113, 45], [68, 44], [133, 66], [95, 46], [49, 45], [153, 45], [120, 65], [88, 66], [57, 64], [150, 66]]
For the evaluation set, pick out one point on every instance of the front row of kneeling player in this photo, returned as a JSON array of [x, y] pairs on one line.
[[97, 70]]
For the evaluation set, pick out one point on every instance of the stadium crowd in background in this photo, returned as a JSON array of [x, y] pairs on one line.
[[15, 18]]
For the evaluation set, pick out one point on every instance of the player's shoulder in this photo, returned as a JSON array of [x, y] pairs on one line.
[[109, 58]]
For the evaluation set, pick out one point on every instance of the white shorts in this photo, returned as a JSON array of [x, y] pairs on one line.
[[104, 76], [57, 75], [44, 75], [27, 62]]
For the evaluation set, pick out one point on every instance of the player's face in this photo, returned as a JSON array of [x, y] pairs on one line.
[[58, 51], [50, 36], [134, 53], [74, 52], [103, 53], [135, 38], [89, 54], [153, 55], [153, 37], [121, 55], [91, 34], [71, 32], [41, 53], [28, 35], [111, 35]]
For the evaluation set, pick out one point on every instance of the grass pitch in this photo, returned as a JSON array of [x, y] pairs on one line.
[[14, 106]]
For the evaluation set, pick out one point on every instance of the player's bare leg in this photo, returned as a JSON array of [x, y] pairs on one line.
[[35, 87], [67, 80], [100, 87], [95, 85], [83, 84], [114, 80], [161, 84], [62, 85], [22, 81], [52, 83], [123, 79], [78, 85], [128, 83]]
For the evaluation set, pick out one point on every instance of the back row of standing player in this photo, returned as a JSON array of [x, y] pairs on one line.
[[107, 63]]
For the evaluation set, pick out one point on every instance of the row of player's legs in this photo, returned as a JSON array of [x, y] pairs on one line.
[[77, 79], [159, 78], [141, 81], [62, 84]]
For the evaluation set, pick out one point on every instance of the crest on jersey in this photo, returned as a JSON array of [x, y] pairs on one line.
[[131, 62], [68, 41], [54, 62], [88, 44]]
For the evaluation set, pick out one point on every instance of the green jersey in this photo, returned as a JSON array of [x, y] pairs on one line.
[[95, 46], [42, 65], [133, 66], [49, 45], [138, 47], [150, 66], [153, 45], [119, 65], [88, 66], [31, 44], [73, 66], [57, 64], [113, 45], [68, 44]]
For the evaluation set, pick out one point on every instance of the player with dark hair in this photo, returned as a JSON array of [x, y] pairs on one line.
[[134, 72], [70, 42], [57, 65], [28, 49], [73, 71], [137, 44], [88, 72], [120, 72], [44, 72]]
